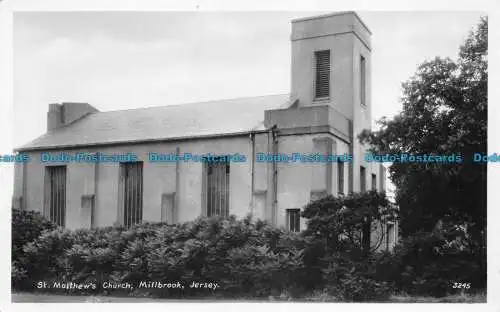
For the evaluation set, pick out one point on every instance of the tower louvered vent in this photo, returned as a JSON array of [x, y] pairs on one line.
[[322, 82]]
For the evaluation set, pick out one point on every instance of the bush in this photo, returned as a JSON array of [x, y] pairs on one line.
[[244, 257], [427, 263], [26, 226], [350, 280], [44, 257]]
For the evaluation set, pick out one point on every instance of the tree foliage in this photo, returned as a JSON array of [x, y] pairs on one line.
[[444, 113], [346, 223]]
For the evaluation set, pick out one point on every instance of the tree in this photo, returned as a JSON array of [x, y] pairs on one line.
[[444, 113], [346, 223]]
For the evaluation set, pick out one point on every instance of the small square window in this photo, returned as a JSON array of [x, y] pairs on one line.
[[293, 220]]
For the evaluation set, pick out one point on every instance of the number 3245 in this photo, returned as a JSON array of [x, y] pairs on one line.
[[461, 285]]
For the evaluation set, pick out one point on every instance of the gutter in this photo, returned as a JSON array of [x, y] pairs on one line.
[[138, 141]]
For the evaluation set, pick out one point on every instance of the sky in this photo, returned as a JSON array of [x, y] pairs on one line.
[[122, 60]]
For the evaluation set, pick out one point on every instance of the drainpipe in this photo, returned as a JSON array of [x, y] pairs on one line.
[[175, 208], [274, 151], [252, 166]]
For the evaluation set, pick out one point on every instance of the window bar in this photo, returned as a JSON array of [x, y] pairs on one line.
[[218, 189], [227, 173], [140, 192], [121, 195], [132, 195], [63, 197], [298, 220], [136, 193], [221, 187], [135, 170], [133, 209], [212, 178], [58, 191], [133, 185], [127, 198], [222, 190], [51, 203], [56, 194], [124, 188], [137, 188], [225, 197], [211, 183], [214, 189], [207, 200]]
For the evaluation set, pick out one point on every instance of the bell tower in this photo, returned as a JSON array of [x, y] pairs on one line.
[[331, 65]]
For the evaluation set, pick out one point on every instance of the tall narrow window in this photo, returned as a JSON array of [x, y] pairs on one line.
[[55, 194], [362, 179], [340, 176], [322, 79], [293, 220], [374, 181], [362, 80], [131, 173], [217, 199]]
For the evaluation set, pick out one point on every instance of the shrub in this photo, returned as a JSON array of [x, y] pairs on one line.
[[26, 226], [246, 258], [427, 263], [351, 280], [19, 277], [44, 257], [242, 256]]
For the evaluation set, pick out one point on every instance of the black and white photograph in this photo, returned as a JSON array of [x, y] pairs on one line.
[[248, 156]]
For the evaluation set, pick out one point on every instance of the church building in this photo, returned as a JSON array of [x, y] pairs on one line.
[[153, 160]]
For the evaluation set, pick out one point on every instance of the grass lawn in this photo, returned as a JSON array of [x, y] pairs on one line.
[[461, 298], [37, 297]]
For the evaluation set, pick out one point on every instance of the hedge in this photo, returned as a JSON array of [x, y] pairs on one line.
[[245, 258]]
